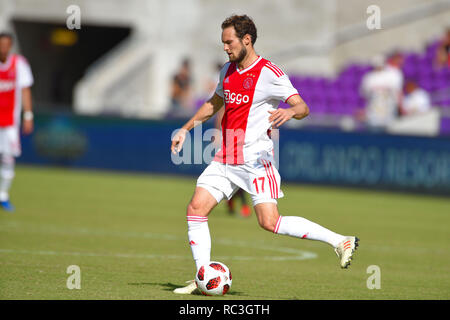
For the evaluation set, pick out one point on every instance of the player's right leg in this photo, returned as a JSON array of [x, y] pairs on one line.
[[197, 212], [212, 187]]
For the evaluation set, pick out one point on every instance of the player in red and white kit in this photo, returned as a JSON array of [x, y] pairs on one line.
[[251, 88], [15, 82]]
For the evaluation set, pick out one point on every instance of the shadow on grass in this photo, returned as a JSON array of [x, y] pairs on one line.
[[168, 286]]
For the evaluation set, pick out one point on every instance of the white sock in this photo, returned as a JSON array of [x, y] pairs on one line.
[[199, 239], [302, 228], [6, 176]]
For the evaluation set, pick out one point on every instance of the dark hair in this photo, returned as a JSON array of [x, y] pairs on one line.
[[242, 24], [6, 35]]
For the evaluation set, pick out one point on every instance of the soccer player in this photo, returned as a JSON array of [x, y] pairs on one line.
[[251, 88], [15, 82]]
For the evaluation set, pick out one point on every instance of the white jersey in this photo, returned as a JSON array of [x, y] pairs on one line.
[[15, 74], [383, 89], [249, 95], [417, 102]]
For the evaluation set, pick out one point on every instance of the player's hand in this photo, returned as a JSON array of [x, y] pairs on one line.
[[28, 126], [280, 116], [178, 140]]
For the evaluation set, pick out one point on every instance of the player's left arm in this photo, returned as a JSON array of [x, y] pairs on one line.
[[25, 81], [28, 123], [297, 110]]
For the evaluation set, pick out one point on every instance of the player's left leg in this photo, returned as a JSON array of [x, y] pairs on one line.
[[269, 219], [7, 164]]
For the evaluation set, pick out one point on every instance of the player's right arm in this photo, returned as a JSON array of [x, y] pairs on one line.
[[206, 111]]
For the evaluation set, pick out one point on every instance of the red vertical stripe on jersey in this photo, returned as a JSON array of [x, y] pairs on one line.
[[271, 177], [274, 179], [238, 92], [268, 178]]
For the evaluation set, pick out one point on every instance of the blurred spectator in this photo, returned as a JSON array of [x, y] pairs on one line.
[[416, 101], [209, 86], [181, 96], [443, 51], [383, 89], [211, 83]]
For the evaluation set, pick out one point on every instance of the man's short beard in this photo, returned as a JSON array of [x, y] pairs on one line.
[[241, 55]]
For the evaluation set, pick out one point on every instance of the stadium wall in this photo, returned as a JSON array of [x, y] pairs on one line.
[[164, 32], [378, 161]]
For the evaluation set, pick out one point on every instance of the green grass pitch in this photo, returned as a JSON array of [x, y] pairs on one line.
[[128, 235]]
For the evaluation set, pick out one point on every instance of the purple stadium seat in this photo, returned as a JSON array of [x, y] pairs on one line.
[[347, 83], [432, 48], [410, 74], [341, 95], [441, 84], [318, 105], [411, 61], [361, 102], [445, 126], [366, 68], [442, 74], [319, 108], [426, 83]]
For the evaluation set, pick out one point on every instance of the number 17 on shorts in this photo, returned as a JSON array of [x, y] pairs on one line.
[[267, 182]]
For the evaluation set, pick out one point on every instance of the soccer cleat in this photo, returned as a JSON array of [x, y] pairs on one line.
[[7, 206], [189, 289], [345, 250]]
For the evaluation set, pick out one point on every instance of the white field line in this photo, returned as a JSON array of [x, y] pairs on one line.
[[291, 253]]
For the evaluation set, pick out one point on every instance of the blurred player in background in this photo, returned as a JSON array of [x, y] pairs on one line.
[[251, 88], [15, 82]]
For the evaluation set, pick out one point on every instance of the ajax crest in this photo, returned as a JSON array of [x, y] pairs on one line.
[[248, 83]]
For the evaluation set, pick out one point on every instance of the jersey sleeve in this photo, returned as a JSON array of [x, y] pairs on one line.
[[24, 75], [281, 88], [223, 72]]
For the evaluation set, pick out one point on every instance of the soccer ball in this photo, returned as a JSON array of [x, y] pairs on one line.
[[213, 279]]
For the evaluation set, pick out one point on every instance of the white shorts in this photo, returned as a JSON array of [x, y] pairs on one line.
[[10, 141], [260, 179]]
